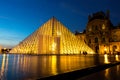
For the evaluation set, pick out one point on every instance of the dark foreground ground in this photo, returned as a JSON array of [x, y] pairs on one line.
[[112, 73], [109, 71]]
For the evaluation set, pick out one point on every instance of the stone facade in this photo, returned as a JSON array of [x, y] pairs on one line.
[[101, 35]]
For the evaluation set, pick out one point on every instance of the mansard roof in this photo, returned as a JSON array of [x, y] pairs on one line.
[[98, 15]]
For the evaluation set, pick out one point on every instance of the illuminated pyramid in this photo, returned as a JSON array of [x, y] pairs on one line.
[[52, 38]]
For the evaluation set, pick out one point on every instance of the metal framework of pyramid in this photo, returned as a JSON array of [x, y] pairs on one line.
[[52, 38]]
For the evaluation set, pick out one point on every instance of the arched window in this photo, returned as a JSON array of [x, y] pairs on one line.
[[96, 40], [89, 40], [115, 37], [103, 26], [97, 49], [96, 27], [114, 48], [103, 39]]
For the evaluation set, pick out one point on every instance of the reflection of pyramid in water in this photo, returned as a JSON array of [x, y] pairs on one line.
[[51, 38]]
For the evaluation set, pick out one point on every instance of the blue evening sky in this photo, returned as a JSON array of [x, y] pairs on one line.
[[19, 18]]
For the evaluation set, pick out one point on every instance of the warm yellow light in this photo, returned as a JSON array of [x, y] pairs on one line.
[[106, 72], [54, 63], [5, 48], [91, 52], [116, 57], [54, 46], [105, 49], [106, 59], [58, 33]]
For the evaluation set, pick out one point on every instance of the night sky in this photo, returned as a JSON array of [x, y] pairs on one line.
[[19, 18]]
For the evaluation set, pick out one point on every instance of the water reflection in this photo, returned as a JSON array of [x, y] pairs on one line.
[[96, 59], [112, 73], [15, 67], [4, 67], [106, 72], [54, 65]]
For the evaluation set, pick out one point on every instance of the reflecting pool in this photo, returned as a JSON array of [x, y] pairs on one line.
[[19, 67]]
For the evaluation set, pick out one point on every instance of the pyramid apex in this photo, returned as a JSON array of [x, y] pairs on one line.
[[53, 17]]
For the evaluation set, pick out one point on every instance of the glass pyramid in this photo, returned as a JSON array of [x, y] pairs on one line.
[[52, 38]]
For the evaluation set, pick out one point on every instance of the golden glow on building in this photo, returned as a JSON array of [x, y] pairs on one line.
[[100, 34], [105, 49], [52, 38]]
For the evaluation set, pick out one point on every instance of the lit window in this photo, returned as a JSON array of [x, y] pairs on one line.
[[103, 26], [90, 29]]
